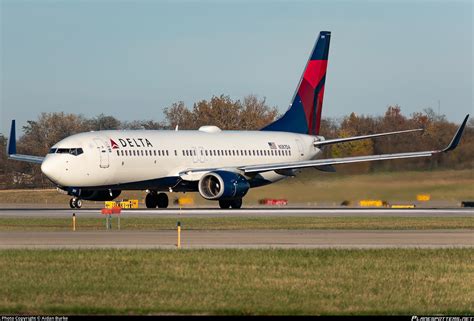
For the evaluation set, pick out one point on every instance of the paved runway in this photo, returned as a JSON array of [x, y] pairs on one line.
[[250, 212], [239, 239]]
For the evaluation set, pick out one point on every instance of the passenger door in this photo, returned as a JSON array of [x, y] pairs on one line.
[[103, 153]]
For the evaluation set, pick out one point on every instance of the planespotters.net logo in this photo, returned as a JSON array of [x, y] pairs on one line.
[[426, 318]]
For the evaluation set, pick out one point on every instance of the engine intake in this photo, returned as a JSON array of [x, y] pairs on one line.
[[221, 185]]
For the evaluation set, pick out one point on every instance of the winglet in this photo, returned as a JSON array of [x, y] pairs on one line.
[[455, 141], [12, 140]]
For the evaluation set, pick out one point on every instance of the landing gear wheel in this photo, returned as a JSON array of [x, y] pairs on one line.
[[75, 203], [151, 200], [224, 204], [237, 203], [162, 200]]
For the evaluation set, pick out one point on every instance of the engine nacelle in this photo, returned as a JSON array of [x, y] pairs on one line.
[[94, 195], [221, 185]]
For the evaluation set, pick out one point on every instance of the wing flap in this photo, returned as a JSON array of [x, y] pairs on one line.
[[330, 161]]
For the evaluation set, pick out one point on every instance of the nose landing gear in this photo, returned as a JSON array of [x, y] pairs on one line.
[[154, 199], [75, 202]]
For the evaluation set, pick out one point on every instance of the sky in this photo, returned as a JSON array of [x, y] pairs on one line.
[[131, 59]]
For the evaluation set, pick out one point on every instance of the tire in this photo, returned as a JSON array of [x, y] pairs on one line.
[[162, 200], [78, 203], [151, 200], [237, 203], [224, 204], [72, 204]]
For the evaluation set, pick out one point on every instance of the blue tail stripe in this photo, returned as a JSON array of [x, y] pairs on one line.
[[294, 120]]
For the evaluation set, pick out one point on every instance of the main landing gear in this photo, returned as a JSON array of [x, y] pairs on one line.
[[75, 203], [235, 203], [154, 199]]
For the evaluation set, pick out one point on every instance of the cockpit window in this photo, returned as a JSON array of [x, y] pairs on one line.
[[72, 151], [76, 151]]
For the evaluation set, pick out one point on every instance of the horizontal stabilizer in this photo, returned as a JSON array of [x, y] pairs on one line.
[[350, 139]]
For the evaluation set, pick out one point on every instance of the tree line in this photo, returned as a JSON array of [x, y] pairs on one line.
[[252, 113]]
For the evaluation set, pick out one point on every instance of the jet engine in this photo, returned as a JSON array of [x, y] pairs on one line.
[[94, 195], [222, 185]]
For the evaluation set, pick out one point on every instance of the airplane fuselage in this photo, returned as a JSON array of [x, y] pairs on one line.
[[157, 159]]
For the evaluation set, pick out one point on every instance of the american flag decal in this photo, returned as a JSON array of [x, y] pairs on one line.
[[272, 145]]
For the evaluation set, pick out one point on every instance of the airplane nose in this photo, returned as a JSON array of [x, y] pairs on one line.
[[48, 169]]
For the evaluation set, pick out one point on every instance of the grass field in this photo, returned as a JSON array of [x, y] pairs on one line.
[[316, 187], [395, 281], [240, 223]]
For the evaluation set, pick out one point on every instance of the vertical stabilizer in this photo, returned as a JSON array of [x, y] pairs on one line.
[[304, 114]]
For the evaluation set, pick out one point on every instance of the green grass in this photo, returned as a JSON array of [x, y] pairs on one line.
[[240, 223], [392, 281], [311, 186]]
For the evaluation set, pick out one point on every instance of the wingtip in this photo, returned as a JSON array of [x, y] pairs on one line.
[[12, 140], [457, 137]]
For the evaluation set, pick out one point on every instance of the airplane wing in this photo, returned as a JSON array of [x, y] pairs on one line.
[[27, 158], [11, 149], [348, 160]]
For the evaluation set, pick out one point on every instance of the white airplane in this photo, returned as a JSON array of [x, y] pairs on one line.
[[220, 165]]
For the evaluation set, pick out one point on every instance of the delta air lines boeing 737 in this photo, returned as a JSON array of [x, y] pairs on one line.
[[220, 165]]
